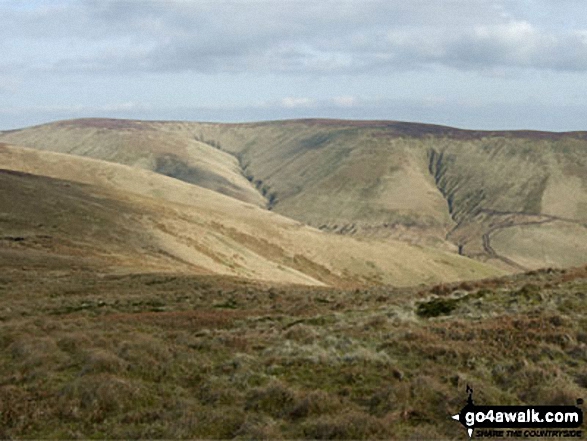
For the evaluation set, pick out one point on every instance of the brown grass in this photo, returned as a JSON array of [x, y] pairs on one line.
[[86, 355], [189, 320], [493, 194]]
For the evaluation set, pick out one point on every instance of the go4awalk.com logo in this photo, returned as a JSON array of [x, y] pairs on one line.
[[520, 421]]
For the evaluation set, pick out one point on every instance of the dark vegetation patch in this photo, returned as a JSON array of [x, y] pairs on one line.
[[436, 307], [13, 238], [106, 123], [416, 130], [316, 141]]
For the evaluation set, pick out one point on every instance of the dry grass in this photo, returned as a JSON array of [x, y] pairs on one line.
[[435, 186], [101, 336], [277, 362], [147, 222]]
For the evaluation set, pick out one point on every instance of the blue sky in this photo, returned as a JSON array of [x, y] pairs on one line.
[[480, 64]]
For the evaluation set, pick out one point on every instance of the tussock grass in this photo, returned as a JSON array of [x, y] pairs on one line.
[[362, 365]]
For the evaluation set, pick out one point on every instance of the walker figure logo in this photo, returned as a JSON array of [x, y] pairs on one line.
[[520, 417]]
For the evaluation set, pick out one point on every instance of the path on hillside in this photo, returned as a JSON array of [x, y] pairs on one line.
[[546, 218]]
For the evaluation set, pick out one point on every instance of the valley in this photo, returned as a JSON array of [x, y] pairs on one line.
[[303, 279], [433, 186]]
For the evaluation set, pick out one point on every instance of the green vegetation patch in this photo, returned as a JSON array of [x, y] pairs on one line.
[[437, 307]]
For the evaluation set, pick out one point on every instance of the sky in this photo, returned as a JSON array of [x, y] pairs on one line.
[[476, 64]]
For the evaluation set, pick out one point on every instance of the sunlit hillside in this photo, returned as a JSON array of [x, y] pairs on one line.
[[456, 190], [137, 220]]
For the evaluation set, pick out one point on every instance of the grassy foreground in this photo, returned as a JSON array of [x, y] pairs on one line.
[[88, 355]]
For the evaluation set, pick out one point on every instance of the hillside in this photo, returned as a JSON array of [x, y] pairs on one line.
[[320, 295], [413, 180], [136, 144], [486, 195], [132, 220], [89, 355]]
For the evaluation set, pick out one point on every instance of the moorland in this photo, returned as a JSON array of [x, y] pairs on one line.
[[286, 279]]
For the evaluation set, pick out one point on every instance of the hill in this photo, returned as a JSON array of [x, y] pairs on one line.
[[297, 280], [133, 220], [136, 144], [486, 195], [413, 180]]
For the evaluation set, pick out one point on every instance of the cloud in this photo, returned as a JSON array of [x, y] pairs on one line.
[[342, 102], [497, 115], [518, 44], [515, 44], [289, 37], [292, 102]]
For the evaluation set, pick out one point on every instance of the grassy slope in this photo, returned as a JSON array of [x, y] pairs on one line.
[[423, 184], [522, 183], [45, 219], [385, 178], [138, 144], [344, 179], [86, 355], [536, 246], [184, 226]]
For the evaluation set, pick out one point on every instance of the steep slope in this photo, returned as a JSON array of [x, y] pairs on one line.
[[138, 144], [180, 227], [343, 178], [411, 181], [437, 186], [501, 184], [50, 222]]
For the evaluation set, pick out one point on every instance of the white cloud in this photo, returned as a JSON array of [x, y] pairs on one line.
[[326, 57], [296, 102]]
